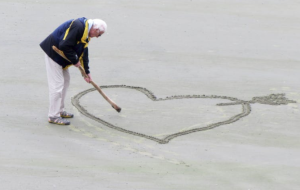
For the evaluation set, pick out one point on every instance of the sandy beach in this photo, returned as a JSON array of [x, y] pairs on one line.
[[209, 92]]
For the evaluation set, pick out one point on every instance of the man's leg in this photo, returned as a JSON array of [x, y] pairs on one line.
[[56, 84], [63, 113], [66, 76]]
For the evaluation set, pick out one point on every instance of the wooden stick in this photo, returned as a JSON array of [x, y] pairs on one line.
[[113, 104]]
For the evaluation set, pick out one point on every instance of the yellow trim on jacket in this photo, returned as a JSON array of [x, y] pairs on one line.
[[85, 34], [67, 31]]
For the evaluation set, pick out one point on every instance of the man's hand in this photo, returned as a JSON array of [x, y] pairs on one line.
[[88, 79], [77, 64]]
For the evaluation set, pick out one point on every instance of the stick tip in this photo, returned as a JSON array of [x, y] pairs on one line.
[[117, 108]]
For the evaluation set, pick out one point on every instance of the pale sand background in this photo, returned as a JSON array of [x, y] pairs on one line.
[[231, 48]]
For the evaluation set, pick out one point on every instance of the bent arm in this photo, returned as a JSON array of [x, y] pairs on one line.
[[85, 59]]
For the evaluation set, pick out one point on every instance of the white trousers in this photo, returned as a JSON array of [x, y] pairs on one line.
[[58, 82]]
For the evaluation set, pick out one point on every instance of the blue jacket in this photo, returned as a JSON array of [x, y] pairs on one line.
[[71, 37]]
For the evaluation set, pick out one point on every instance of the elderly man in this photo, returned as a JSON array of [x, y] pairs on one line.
[[72, 38]]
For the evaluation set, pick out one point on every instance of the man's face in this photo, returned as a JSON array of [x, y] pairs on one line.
[[95, 33]]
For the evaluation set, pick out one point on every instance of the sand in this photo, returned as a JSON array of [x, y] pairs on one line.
[[196, 64]]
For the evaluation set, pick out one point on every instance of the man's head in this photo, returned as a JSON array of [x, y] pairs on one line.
[[98, 28]]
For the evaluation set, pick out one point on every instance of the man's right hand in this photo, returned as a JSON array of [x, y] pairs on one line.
[[77, 64]]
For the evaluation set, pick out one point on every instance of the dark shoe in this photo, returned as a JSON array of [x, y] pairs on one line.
[[65, 114], [58, 121]]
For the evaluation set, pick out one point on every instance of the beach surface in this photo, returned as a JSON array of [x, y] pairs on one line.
[[209, 92]]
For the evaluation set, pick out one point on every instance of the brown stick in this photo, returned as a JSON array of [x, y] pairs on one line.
[[114, 105]]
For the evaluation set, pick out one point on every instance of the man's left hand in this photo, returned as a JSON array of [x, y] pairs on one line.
[[88, 79]]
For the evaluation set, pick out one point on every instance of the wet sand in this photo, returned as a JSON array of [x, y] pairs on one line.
[[193, 64]]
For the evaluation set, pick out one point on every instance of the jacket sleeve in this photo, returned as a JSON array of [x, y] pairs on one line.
[[67, 44], [85, 59]]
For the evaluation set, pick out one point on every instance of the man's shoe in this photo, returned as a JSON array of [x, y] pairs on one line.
[[65, 114], [58, 121]]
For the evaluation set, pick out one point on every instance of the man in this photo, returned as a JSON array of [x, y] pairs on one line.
[[72, 38]]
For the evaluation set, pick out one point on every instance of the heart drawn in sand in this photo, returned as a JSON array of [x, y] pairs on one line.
[[273, 99]]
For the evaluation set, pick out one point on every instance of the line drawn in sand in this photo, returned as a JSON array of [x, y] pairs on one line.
[[272, 99]]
